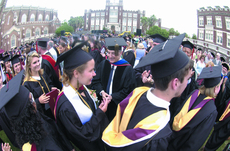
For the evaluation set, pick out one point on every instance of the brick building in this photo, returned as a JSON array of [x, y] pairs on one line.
[[23, 24], [114, 16], [213, 32]]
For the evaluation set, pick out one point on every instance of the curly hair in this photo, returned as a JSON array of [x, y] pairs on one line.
[[28, 127]]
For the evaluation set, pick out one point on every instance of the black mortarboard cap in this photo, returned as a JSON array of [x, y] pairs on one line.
[[74, 57], [188, 44], [213, 54], [165, 58], [225, 64], [158, 38], [65, 39], [14, 96], [6, 58], [115, 44], [15, 59], [42, 42], [211, 76]]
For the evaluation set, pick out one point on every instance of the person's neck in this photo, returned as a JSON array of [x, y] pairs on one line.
[[165, 95], [74, 83], [36, 74]]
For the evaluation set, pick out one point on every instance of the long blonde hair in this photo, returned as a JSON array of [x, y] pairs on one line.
[[29, 57], [209, 91]]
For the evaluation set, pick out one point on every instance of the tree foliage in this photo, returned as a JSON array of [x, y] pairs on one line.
[[171, 32], [152, 20], [194, 36], [76, 22], [65, 27], [145, 23], [157, 30]]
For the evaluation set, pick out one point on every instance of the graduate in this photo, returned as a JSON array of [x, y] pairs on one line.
[[195, 119], [115, 77], [16, 65], [31, 129], [7, 68], [38, 83], [141, 121], [76, 111]]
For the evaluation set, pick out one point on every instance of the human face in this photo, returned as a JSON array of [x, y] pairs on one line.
[[7, 64], [61, 49], [17, 68], [112, 57], [35, 65], [87, 75], [187, 51], [183, 85]]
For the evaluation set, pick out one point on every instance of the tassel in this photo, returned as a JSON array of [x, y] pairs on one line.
[[116, 49]]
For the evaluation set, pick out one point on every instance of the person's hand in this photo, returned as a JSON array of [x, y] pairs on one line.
[[104, 104], [6, 147], [54, 88], [104, 94], [147, 77], [44, 99]]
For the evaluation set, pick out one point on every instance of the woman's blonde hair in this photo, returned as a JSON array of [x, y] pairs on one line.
[[210, 63], [68, 74], [29, 57], [209, 91]]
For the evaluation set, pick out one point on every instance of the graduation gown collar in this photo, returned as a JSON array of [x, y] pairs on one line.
[[157, 101], [81, 109]]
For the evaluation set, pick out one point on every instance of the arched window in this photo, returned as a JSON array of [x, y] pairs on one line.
[[28, 33], [32, 17], [24, 18], [40, 17], [47, 18], [45, 30], [8, 20], [37, 32], [13, 41]]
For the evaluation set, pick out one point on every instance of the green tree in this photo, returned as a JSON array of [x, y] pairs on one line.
[[186, 35], [177, 33], [152, 21], [194, 36], [153, 30], [65, 27], [144, 22], [171, 32], [164, 33], [76, 22]]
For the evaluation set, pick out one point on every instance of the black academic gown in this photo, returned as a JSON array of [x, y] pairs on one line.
[[159, 142], [86, 137], [138, 75], [194, 134], [130, 57], [49, 70], [123, 83], [96, 56], [36, 90]]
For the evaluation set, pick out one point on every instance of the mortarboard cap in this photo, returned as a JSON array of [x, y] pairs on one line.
[[115, 44], [15, 59], [6, 58], [211, 76], [14, 96], [42, 42], [222, 59], [65, 39], [158, 38], [213, 55], [165, 58], [188, 44], [74, 57], [225, 64]]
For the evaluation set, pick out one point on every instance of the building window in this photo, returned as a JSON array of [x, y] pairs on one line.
[[130, 14], [92, 21], [8, 20], [97, 21], [209, 20], [102, 23], [28, 33], [201, 34], [129, 22], [227, 20], [13, 41], [129, 28], [134, 22], [201, 21], [218, 22], [209, 35], [102, 13], [219, 38], [228, 40], [113, 15], [124, 21], [45, 30], [123, 28], [32, 17], [37, 32], [93, 14], [47, 18], [124, 14], [135, 15], [134, 28], [92, 27], [54, 17], [97, 27], [98, 14], [40, 17], [23, 18]]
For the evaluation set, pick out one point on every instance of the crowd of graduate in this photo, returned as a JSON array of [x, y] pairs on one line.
[[104, 92]]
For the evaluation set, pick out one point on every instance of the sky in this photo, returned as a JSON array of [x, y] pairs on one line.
[[178, 14]]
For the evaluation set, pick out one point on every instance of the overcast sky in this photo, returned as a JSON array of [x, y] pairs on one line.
[[178, 14]]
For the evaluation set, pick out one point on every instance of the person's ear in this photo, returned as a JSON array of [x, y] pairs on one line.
[[175, 83], [75, 73]]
